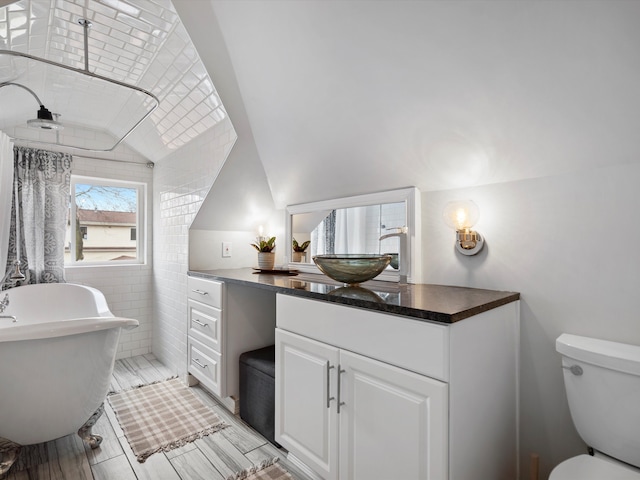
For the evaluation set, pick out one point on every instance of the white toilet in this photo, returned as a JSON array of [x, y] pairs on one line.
[[602, 380]]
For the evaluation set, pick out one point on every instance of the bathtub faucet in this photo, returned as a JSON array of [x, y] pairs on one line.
[[401, 233], [14, 276], [4, 303], [12, 317]]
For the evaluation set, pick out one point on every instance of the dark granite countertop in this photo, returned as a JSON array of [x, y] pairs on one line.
[[436, 303]]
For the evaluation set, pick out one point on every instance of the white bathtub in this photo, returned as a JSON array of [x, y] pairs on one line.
[[56, 360]]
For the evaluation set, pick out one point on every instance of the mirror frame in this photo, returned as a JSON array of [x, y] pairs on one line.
[[411, 198]]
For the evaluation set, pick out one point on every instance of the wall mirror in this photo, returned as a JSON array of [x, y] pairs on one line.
[[355, 225]]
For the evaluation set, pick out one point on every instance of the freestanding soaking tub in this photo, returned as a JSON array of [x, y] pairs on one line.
[[58, 344]]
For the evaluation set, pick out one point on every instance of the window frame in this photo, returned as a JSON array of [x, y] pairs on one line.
[[141, 215]]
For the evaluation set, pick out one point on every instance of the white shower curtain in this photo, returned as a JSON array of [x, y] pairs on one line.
[[6, 188], [342, 231], [351, 230]]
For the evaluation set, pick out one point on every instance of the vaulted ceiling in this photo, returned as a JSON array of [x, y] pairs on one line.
[[346, 97]]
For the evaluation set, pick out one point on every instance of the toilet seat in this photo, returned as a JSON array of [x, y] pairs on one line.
[[586, 467]]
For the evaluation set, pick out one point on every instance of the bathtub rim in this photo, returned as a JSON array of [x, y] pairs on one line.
[[99, 300]]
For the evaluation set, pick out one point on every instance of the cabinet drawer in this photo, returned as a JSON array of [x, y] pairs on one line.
[[205, 291], [205, 324], [414, 345], [205, 364]]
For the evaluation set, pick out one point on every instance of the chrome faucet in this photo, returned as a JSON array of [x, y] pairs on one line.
[[12, 275], [401, 233]]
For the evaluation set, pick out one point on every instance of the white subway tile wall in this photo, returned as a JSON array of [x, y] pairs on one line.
[[181, 182]]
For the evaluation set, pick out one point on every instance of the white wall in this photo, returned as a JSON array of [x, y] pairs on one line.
[[181, 182], [566, 243], [205, 249]]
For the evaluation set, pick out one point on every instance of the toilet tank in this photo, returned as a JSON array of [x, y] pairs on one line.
[[604, 399]]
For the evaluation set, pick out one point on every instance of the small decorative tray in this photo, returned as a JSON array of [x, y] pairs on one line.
[[277, 271]]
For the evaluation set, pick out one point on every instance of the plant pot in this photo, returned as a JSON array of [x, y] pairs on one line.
[[299, 257], [266, 260]]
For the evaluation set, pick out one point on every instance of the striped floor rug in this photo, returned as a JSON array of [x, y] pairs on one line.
[[162, 416]]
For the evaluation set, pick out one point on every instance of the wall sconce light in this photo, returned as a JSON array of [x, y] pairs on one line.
[[462, 215]]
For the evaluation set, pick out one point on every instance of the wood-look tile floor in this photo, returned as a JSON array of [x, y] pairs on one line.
[[213, 457]]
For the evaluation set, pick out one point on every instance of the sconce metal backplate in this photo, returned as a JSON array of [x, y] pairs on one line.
[[469, 242]]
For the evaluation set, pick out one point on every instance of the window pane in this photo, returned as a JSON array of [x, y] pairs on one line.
[[105, 223]]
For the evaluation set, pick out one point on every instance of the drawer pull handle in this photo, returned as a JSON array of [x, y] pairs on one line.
[[197, 362], [195, 320], [340, 402], [200, 292], [329, 367]]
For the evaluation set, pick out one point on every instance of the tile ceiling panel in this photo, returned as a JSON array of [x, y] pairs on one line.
[[138, 42]]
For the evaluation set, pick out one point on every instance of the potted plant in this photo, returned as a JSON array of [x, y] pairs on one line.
[[266, 256], [299, 250]]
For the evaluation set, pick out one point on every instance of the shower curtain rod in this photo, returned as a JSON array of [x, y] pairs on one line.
[[148, 163]]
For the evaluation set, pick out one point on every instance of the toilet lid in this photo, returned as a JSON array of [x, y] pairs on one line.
[[586, 467]]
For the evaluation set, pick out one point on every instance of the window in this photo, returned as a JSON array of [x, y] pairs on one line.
[[106, 222]]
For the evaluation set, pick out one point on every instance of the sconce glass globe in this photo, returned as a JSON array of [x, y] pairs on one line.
[[461, 214]]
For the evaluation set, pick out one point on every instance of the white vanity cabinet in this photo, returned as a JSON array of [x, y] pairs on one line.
[[341, 413], [362, 394], [225, 321]]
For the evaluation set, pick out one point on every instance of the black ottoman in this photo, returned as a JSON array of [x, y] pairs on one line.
[[257, 390]]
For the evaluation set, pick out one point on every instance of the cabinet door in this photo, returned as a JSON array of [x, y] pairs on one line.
[[393, 423], [306, 422]]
